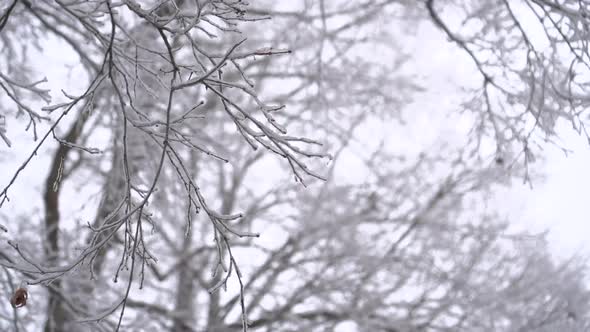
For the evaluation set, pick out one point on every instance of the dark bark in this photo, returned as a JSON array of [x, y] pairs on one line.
[[185, 290], [214, 317], [56, 313]]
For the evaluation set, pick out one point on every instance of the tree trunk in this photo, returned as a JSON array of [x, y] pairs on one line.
[[57, 315], [214, 319], [185, 306]]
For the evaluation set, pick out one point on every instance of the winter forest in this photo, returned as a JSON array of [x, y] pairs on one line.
[[290, 165]]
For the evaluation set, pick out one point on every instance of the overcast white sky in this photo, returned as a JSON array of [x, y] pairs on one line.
[[558, 203]]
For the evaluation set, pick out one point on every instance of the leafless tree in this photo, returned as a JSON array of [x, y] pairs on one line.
[[191, 98]]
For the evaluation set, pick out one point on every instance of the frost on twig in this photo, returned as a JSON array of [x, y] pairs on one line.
[[3, 131], [150, 70]]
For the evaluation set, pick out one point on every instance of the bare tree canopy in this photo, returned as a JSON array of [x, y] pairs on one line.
[[199, 165]]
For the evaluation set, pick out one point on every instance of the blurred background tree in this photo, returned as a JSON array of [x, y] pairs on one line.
[[158, 166]]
